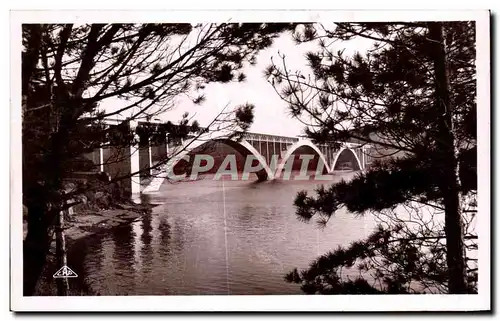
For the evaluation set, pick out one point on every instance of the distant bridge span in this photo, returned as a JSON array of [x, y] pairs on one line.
[[271, 151]]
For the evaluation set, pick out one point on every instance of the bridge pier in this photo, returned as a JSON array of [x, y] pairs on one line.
[[144, 156], [135, 167], [159, 151], [363, 157]]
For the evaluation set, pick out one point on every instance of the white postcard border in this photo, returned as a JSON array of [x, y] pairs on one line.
[[480, 301]]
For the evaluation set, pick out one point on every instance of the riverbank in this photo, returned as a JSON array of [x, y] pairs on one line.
[[86, 223], [83, 224]]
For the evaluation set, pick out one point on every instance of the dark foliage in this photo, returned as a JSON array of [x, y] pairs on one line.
[[410, 96], [69, 70]]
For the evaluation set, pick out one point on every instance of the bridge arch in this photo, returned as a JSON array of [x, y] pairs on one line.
[[293, 148], [242, 147], [346, 150], [246, 149]]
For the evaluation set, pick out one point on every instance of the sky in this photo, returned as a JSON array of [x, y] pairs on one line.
[[271, 114]]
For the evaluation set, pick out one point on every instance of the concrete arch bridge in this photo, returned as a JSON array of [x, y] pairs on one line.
[[270, 154]]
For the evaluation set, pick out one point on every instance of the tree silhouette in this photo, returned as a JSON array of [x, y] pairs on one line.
[[69, 71], [411, 97]]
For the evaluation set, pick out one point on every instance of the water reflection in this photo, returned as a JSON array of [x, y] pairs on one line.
[[188, 246], [122, 247], [146, 238], [164, 234]]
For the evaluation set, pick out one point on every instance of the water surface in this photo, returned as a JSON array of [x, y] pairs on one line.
[[213, 237]]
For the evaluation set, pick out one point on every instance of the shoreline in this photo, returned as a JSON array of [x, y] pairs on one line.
[[87, 222], [81, 225], [90, 222]]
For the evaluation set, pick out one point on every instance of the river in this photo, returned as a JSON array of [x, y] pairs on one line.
[[213, 237]]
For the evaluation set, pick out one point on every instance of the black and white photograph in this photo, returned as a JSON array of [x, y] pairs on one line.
[[250, 161]]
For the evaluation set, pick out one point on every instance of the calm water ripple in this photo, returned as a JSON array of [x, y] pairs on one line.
[[181, 247]]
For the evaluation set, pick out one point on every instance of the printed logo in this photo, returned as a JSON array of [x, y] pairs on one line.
[[65, 272]]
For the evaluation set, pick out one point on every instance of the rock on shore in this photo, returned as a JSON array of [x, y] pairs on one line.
[[86, 223]]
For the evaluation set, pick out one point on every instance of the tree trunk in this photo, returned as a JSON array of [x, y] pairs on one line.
[[61, 258], [35, 248], [450, 187]]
